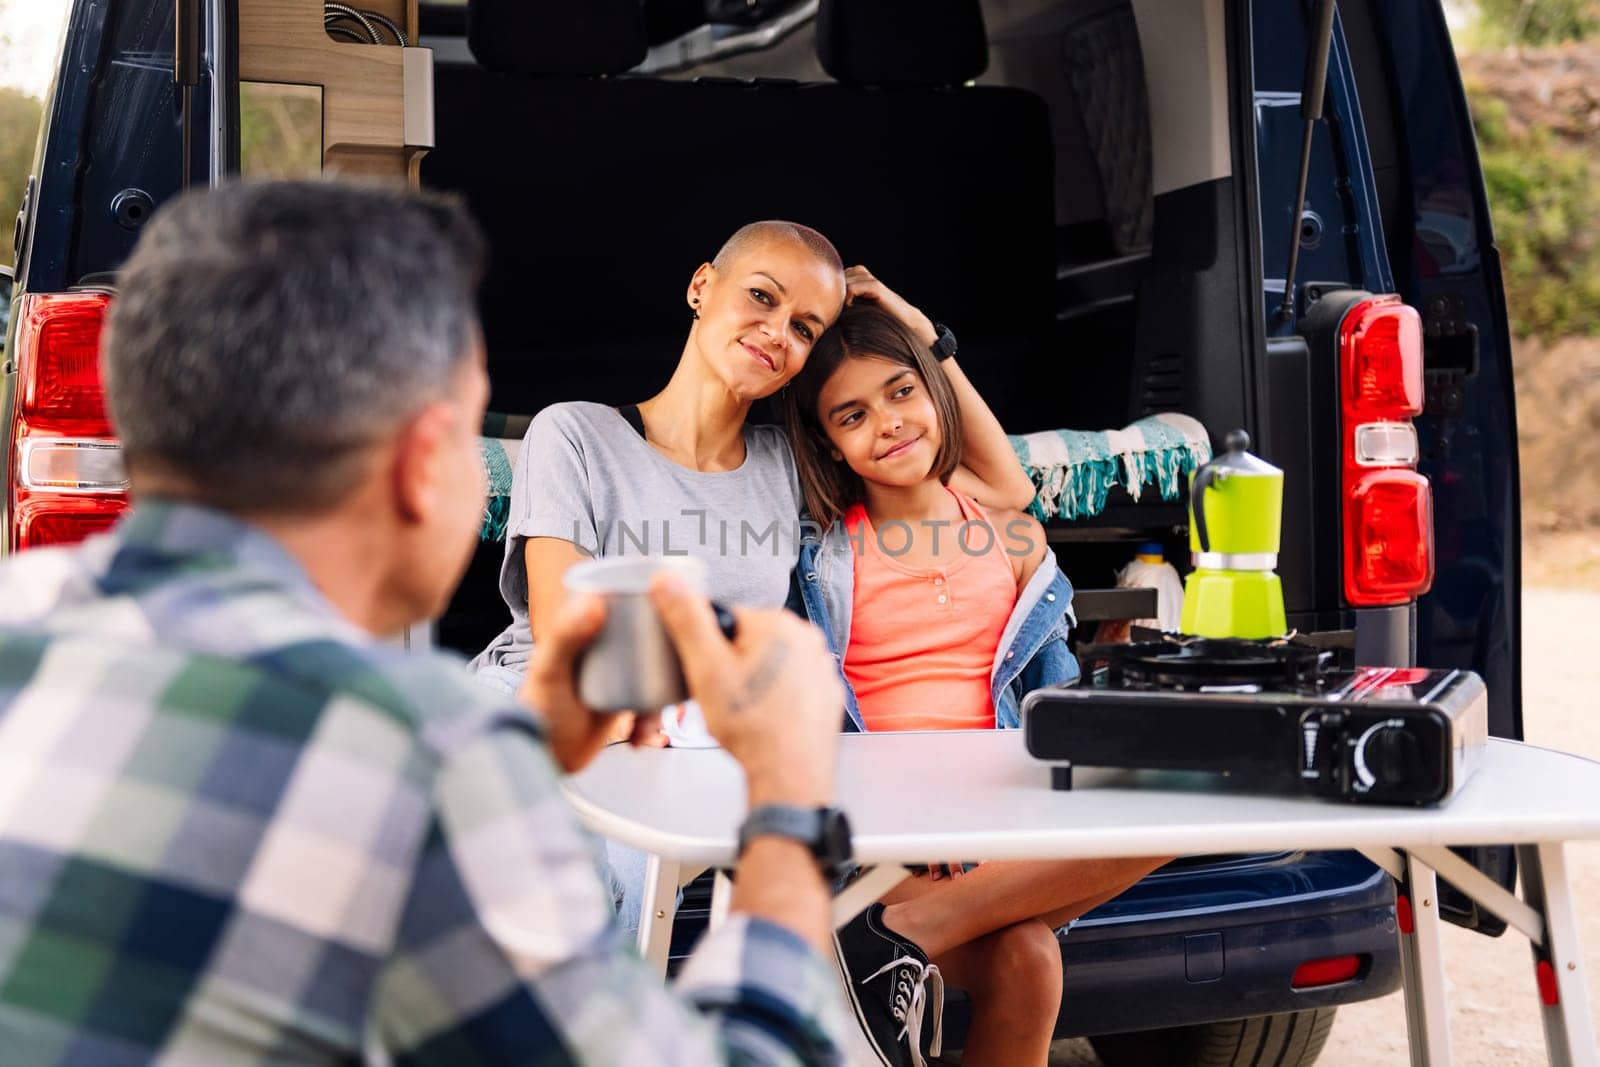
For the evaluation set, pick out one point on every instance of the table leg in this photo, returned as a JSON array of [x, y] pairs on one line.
[[721, 897], [1392, 862], [1569, 1033], [1484, 891], [1422, 965], [873, 883], [660, 906]]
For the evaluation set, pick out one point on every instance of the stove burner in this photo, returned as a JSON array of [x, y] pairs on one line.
[[1193, 663]]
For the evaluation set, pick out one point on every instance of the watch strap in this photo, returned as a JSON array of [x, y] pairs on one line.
[[944, 344], [824, 831]]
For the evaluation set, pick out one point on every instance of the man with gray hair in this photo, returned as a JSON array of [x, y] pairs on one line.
[[237, 827]]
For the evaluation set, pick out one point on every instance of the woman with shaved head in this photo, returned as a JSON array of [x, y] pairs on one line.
[[679, 473]]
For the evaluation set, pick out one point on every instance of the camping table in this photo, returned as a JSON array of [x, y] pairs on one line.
[[924, 797]]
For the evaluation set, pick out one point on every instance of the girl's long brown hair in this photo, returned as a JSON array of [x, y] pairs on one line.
[[862, 330]]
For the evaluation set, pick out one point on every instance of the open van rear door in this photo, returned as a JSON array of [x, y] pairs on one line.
[[1445, 263]]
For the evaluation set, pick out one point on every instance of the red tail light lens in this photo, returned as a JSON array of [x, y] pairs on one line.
[[58, 362], [1330, 971], [1388, 556], [41, 520], [1380, 352], [65, 470], [1388, 506]]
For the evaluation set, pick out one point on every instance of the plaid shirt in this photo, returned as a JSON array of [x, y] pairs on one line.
[[235, 828]]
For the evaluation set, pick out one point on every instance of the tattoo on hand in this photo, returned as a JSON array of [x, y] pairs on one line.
[[761, 680]]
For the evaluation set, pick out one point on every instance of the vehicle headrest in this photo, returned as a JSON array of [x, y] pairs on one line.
[[557, 36], [927, 42]]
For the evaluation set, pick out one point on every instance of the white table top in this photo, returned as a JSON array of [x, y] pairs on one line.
[[978, 795]]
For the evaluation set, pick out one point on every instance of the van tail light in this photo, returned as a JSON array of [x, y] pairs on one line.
[[1331, 971], [1380, 347], [1388, 506], [65, 468]]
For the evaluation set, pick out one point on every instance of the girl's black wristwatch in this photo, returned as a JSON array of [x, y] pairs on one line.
[[944, 344], [825, 831]]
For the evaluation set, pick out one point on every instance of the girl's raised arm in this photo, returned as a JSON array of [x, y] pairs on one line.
[[989, 470]]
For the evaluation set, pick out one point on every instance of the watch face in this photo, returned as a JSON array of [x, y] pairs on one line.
[[834, 837]]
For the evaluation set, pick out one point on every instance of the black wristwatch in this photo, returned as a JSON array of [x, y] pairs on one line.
[[825, 831], [944, 345]]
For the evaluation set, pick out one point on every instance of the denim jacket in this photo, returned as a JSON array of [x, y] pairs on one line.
[[1032, 652]]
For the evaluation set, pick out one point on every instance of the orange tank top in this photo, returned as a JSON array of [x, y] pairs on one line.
[[923, 642]]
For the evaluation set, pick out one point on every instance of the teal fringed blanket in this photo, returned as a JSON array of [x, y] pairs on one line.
[[1074, 470], [500, 445], [499, 463]]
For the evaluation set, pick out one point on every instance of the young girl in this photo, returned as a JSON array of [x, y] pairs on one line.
[[944, 606]]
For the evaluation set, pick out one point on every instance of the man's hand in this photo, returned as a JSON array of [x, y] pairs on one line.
[[574, 732], [859, 284], [771, 696]]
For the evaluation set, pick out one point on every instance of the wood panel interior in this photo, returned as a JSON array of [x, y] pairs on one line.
[[364, 86]]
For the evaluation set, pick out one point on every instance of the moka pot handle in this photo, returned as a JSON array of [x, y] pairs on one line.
[[1236, 442], [1203, 478]]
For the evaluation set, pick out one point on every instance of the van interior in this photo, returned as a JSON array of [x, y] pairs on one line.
[[999, 176]]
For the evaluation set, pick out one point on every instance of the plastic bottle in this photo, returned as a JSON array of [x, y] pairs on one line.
[[1149, 569]]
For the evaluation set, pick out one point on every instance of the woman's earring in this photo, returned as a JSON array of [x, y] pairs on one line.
[[695, 314]]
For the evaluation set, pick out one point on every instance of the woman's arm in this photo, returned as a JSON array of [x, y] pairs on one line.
[[547, 559], [549, 494], [989, 470]]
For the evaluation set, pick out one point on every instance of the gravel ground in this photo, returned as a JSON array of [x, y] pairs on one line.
[[1494, 1009]]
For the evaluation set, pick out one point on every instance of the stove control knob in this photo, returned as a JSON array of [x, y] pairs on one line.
[[1387, 754]]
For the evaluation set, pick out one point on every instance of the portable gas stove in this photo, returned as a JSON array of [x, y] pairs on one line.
[[1273, 715]]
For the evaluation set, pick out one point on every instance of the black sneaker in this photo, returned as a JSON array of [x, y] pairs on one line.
[[892, 987]]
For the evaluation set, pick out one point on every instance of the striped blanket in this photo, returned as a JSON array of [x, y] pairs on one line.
[[1074, 470]]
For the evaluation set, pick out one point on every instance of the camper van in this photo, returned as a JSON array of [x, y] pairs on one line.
[[1103, 199]]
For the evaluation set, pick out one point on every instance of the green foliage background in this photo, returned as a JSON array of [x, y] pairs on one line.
[[19, 133], [1544, 190], [1544, 196], [280, 130], [1535, 22]]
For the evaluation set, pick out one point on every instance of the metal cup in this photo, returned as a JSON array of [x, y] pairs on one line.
[[631, 665]]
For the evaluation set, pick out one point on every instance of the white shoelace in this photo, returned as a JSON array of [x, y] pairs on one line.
[[911, 1000]]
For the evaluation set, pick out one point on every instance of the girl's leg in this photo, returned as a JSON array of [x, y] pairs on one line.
[[1003, 893], [1013, 976], [1078, 908], [991, 932]]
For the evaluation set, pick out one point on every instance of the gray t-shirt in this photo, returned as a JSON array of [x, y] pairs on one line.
[[586, 476]]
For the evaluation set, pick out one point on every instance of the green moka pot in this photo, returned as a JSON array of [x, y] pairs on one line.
[[1235, 520]]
